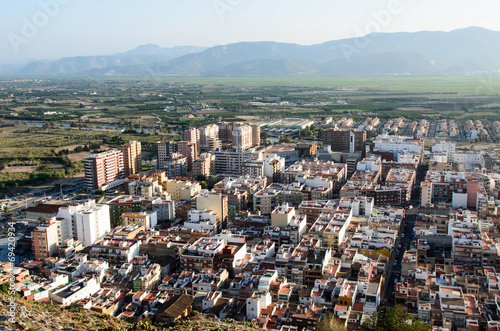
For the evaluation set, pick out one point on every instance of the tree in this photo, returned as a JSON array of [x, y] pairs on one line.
[[4, 288], [394, 319], [99, 192], [143, 325], [200, 178], [263, 137], [211, 181], [285, 140], [329, 323]]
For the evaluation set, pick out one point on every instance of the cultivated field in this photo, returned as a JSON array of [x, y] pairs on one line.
[[14, 169]]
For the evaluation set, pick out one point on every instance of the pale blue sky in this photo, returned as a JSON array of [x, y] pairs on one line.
[[91, 27]]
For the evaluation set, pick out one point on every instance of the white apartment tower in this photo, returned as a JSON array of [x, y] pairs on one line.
[[242, 137], [209, 137], [92, 224]]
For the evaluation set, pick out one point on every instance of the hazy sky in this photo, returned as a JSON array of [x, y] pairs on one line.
[[50, 29]]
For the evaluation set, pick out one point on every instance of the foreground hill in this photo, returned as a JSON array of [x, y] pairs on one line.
[[43, 315], [32, 316]]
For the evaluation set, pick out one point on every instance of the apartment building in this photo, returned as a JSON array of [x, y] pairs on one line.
[[104, 170], [209, 137], [133, 204], [92, 223], [115, 251], [204, 165], [390, 147], [175, 165], [146, 220], [45, 240], [336, 172], [342, 139], [242, 137], [230, 162], [215, 202], [132, 160], [201, 253]]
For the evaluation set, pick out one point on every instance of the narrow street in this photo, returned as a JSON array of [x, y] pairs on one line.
[[403, 242], [394, 270]]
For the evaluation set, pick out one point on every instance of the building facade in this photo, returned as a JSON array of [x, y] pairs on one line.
[[132, 160], [103, 170]]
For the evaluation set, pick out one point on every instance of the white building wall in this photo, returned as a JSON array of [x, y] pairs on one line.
[[92, 224], [368, 165], [426, 194], [91, 287], [133, 252], [445, 147], [459, 200], [164, 210], [52, 239], [268, 168], [473, 158], [153, 220], [254, 305]]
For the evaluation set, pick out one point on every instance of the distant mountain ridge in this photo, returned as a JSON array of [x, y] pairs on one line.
[[460, 51], [141, 55]]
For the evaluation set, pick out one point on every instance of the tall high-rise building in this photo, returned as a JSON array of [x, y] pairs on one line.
[[230, 162], [132, 161], [176, 166], [92, 224], [242, 137], [164, 150], [255, 134], [226, 131], [191, 135], [87, 222], [103, 170], [190, 151], [209, 137], [204, 165], [345, 140]]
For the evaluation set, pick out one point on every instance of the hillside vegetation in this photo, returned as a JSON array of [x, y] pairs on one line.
[[33, 316]]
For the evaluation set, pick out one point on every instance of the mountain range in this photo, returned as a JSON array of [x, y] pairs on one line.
[[463, 51]]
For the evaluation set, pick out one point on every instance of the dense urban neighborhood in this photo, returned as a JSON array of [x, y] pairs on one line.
[[280, 212]]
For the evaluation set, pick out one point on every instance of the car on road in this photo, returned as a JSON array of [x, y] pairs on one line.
[[395, 263]]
